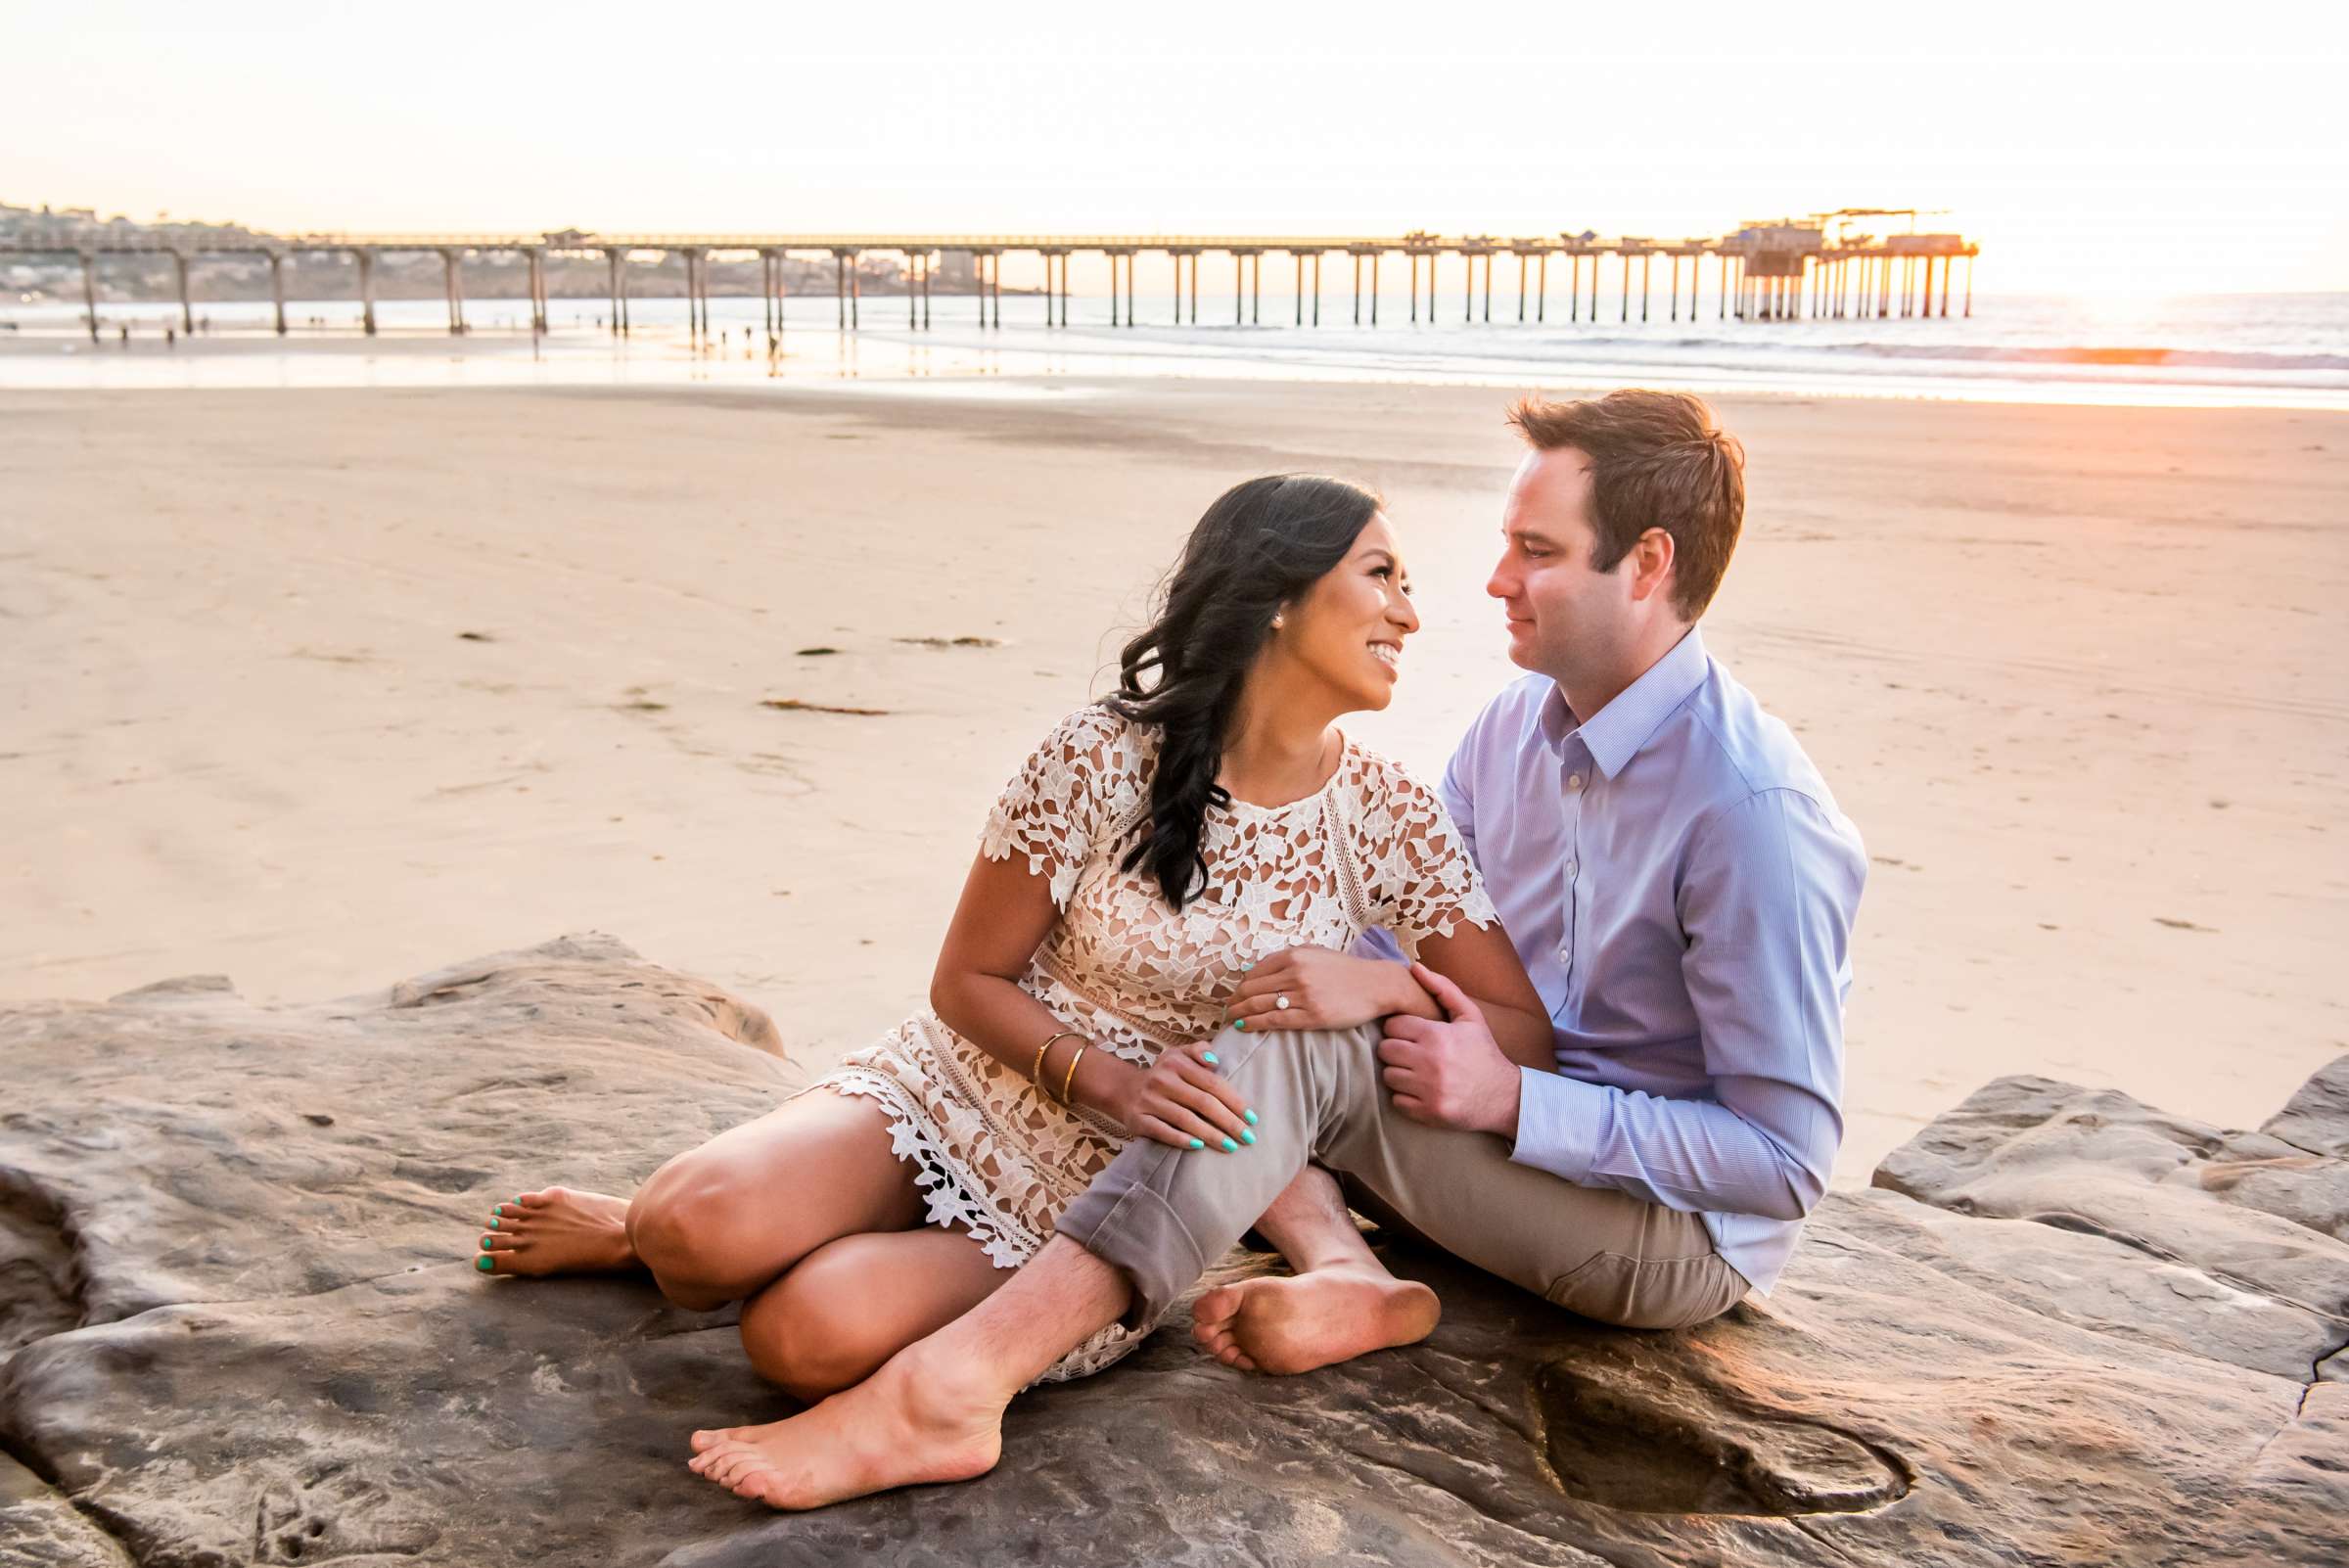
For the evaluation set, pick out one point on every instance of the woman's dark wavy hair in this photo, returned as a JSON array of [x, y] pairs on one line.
[[1259, 545]]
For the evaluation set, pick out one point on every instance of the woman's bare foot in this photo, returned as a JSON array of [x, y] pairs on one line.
[[557, 1231], [1293, 1324], [916, 1420]]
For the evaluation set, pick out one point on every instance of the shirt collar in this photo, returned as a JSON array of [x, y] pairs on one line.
[[1615, 733]]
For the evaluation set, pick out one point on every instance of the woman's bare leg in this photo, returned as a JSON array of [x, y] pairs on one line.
[[849, 1306], [717, 1223], [1339, 1303]]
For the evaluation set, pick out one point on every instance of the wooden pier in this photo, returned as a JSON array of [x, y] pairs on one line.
[[1787, 270]]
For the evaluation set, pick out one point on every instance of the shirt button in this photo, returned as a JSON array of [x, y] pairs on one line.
[[1569, 868], [1565, 954], [1574, 782]]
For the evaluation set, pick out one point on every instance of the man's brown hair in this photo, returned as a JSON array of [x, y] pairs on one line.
[[1658, 460]]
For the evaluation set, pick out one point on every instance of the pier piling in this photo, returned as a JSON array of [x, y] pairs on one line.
[[186, 314], [455, 286]]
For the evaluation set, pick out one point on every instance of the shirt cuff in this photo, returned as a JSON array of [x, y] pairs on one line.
[[1560, 1121]]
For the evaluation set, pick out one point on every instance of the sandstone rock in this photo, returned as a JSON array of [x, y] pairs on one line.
[[238, 1323]]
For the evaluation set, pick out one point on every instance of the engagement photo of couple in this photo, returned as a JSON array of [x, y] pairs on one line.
[[1573, 1013], [1245, 788]]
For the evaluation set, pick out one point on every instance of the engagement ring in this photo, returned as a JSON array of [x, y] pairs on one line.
[[1282, 1003]]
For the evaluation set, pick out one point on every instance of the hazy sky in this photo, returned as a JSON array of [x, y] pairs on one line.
[[2137, 147]]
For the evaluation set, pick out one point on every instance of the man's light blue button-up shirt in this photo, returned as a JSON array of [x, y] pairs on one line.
[[1681, 887]]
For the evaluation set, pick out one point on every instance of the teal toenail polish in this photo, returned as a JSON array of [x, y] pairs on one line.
[[1209, 1057], [1241, 1026], [1249, 1117], [1247, 1138], [484, 1263], [1230, 1147], [1197, 1144]]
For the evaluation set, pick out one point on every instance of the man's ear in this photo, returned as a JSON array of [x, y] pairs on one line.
[[1652, 563]]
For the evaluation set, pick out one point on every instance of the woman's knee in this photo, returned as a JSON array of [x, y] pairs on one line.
[[687, 1226], [809, 1337]]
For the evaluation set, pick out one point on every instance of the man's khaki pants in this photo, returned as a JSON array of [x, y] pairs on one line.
[[1161, 1216]]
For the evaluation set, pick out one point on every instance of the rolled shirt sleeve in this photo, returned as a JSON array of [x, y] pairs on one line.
[[1766, 904]]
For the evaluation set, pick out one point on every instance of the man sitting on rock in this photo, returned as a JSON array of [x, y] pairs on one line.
[[1681, 887]]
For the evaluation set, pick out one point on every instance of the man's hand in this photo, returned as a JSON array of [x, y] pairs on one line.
[[1449, 1074], [1325, 990]]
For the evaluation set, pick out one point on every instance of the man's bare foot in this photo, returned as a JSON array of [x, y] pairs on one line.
[[557, 1231], [912, 1422], [1293, 1324]]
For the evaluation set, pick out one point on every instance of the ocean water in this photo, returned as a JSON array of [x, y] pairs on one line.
[[2256, 350]]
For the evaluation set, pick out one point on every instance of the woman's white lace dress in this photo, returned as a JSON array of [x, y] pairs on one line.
[[997, 1158]]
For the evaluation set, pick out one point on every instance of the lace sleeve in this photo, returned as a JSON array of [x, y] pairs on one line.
[[1063, 796], [1419, 878]]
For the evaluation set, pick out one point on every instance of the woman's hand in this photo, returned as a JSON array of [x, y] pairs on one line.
[[1181, 1101], [1325, 990]]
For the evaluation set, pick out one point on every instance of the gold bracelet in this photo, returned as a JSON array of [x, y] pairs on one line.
[[1035, 1074], [1068, 1082]]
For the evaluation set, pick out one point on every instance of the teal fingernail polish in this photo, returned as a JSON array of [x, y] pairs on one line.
[[1241, 1026], [1249, 1117], [484, 1263], [1244, 968], [1230, 1147], [1197, 1144], [1247, 1138], [493, 1221], [1209, 1057]]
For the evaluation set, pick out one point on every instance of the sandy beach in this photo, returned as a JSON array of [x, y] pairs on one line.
[[320, 688]]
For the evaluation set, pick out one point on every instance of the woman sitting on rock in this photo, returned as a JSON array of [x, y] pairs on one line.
[[1202, 846]]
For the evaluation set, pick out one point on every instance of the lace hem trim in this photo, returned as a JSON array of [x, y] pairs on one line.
[[956, 1198], [956, 1195]]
